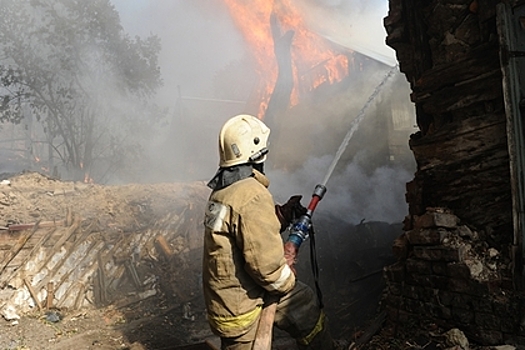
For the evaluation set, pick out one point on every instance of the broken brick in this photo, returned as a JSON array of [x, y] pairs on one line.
[[426, 236], [435, 219]]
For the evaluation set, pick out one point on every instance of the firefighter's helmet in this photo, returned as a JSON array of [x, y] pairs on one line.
[[243, 139]]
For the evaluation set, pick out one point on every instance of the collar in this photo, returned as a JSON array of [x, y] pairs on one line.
[[261, 178], [224, 177]]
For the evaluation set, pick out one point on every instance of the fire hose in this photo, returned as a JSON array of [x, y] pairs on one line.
[[299, 232]]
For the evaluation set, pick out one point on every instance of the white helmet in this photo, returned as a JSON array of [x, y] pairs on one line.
[[243, 139]]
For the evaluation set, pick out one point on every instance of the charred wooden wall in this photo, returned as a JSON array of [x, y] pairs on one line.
[[449, 52]]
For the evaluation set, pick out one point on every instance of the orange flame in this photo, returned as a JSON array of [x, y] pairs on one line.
[[314, 61]]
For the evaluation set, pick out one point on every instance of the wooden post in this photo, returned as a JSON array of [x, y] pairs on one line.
[[50, 295]]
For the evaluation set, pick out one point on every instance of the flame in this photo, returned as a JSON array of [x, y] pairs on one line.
[[314, 60]]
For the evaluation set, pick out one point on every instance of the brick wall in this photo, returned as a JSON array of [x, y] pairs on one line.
[[455, 265], [448, 274]]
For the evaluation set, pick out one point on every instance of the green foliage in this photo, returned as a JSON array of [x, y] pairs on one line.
[[90, 85]]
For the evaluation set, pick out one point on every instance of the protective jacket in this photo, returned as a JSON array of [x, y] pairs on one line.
[[243, 255]]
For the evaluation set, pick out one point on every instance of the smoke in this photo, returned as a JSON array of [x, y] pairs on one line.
[[352, 194], [201, 47], [355, 24], [198, 39]]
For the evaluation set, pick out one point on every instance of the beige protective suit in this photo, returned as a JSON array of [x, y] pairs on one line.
[[244, 260]]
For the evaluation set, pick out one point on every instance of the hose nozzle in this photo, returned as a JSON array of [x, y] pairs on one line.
[[301, 228], [318, 194]]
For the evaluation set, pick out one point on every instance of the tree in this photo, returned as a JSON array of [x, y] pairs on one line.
[[87, 82]]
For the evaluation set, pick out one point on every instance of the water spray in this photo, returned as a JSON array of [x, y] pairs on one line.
[[355, 125], [299, 231]]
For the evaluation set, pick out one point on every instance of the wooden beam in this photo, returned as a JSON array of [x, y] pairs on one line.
[[28, 256], [33, 294], [58, 245], [16, 249], [41, 224]]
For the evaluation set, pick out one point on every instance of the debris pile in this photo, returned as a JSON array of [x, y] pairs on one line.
[[70, 246], [448, 274]]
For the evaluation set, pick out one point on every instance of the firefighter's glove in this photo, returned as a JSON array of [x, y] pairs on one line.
[[290, 211], [290, 255]]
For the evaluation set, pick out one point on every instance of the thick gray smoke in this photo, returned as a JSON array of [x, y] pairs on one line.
[[352, 194], [198, 39], [201, 45], [355, 24]]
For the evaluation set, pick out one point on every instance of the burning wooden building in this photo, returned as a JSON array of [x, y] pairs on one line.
[[308, 89]]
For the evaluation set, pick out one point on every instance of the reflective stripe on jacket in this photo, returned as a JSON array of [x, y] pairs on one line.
[[243, 255]]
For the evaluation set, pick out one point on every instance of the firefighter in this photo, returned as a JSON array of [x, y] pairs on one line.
[[244, 261]]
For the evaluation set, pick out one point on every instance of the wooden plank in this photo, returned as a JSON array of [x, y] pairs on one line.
[[27, 256], [70, 230], [64, 278], [511, 39], [114, 280], [88, 271], [80, 296], [70, 251], [33, 294], [133, 273], [41, 224], [457, 97], [69, 217], [101, 281], [480, 59], [16, 249]]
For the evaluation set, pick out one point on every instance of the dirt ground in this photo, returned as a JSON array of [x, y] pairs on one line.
[[144, 326]]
